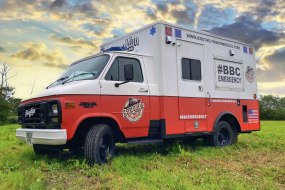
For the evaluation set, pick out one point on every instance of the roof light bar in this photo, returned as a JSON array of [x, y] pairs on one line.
[[117, 48]]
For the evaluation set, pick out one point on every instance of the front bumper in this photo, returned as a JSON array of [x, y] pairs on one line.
[[42, 136]]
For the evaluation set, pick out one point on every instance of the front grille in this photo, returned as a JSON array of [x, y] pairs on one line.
[[32, 114], [39, 115]]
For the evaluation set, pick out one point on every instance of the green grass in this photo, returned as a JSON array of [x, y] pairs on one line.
[[256, 162]]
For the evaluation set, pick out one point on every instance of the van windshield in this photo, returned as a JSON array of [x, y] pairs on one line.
[[86, 69]]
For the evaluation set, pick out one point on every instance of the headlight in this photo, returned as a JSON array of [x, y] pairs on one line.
[[54, 109], [54, 112]]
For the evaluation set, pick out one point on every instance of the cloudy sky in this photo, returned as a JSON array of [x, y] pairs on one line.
[[39, 38]]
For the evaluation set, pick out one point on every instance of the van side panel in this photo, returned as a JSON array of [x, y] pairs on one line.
[[185, 123], [201, 102]]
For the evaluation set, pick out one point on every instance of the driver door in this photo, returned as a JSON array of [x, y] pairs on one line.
[[128, 102]]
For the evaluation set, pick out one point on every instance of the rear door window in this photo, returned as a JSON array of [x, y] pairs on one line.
[[191, 69]]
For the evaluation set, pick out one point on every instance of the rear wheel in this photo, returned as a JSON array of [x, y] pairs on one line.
[[224, 135], [99, 145]]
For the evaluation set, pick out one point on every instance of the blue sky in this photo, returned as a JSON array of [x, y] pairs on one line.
[[39, 38]]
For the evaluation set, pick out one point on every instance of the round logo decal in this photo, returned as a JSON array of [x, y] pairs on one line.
[[133, 110], [249, 74]]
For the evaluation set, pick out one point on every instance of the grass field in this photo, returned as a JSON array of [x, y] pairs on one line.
[[256, 162]]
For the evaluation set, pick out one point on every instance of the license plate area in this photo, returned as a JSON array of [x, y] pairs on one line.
[[29, 136]]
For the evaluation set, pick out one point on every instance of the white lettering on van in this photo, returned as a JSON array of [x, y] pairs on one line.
[[193, 116]]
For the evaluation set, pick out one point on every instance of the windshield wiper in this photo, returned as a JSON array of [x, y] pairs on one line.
[[68, 79], [60, 79]]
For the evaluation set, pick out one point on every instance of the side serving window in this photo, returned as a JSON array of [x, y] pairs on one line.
[[116, 71], [191, 69]]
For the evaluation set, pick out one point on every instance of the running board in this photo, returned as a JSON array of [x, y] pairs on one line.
[[144, 141], [197, 133]]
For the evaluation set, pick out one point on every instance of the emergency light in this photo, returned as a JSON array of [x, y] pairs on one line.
[[116, 48]]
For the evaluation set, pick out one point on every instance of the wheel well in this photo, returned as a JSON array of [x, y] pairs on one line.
[[232, 120], [84, 127]]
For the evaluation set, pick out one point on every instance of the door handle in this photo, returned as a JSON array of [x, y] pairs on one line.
[[143, 90], [209, 99]]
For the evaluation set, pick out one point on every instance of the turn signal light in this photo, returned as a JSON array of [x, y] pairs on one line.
[[70, 104]]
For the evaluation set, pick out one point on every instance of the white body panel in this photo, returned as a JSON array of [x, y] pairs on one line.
[[131, 88], [164, 70], [161, 66], [190, 88]]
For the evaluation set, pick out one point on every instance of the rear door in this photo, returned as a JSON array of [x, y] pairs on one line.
[[128, 103], [191, 84]]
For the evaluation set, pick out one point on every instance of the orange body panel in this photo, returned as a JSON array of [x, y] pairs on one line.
[[173, 109]]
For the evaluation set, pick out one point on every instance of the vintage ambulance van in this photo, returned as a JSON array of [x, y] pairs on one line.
[[157, 83]]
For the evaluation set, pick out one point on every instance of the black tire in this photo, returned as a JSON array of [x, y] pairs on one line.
[[99, 145], [224, 135], [46, 150]]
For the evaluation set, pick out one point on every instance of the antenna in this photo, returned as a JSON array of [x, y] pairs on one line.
[[33, 86]]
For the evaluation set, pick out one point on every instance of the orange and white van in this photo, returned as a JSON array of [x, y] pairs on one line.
[[157, 83]]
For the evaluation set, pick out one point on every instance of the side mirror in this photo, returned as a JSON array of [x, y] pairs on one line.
[[129, 72]]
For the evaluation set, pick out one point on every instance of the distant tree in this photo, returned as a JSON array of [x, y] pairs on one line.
[[6, 90], [14, 103], [272, 107], [4, 111], [8, 104]]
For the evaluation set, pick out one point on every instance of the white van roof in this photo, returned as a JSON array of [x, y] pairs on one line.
[[179, 27]]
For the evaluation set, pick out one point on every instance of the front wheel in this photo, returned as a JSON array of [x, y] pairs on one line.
[[99, 145], [224, 135]]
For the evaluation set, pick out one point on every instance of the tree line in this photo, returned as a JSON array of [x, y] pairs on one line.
[[272, 107]]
